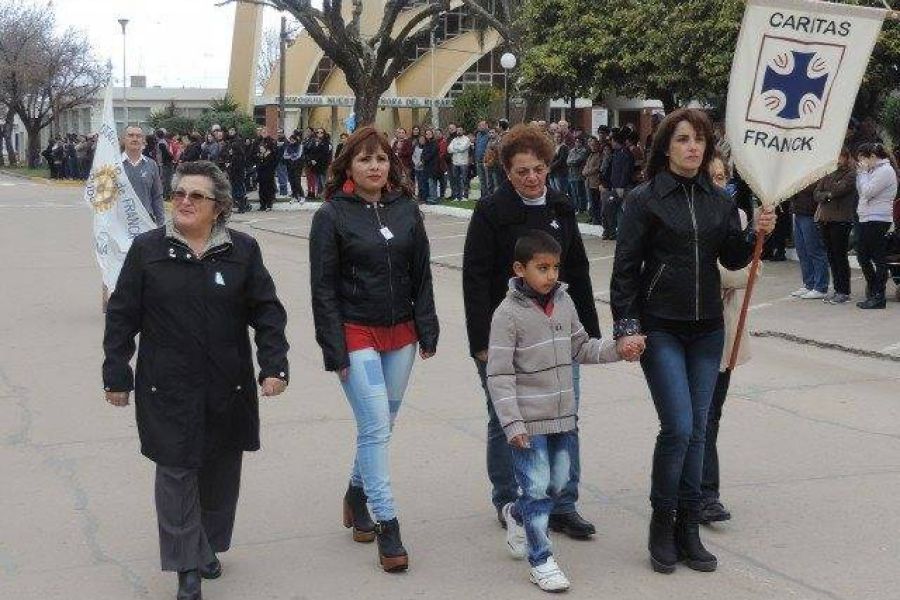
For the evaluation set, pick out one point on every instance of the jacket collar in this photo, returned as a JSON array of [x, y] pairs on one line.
[[511, 209], [665, 184], [387, 198], [526, 298], [219, 237]]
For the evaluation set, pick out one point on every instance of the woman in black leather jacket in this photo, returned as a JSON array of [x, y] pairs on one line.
[[666, 285], [373, 303]]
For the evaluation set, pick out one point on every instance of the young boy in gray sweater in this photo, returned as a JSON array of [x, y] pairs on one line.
[[535, 337]]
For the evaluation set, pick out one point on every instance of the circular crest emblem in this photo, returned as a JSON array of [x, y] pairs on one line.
[[106, 188]]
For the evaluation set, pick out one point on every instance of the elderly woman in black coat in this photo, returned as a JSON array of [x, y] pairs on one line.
[[191, 289]]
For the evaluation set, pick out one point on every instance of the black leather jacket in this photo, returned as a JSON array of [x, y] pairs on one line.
[[362, 273], [669, 242]]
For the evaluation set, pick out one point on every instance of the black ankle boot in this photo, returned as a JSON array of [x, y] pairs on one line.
[[875, 301], [189, 585], [663, 552], [391, 553], [690, 548], [356, 515]]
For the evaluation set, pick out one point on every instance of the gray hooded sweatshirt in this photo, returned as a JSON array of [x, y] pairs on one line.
[[530, 360]]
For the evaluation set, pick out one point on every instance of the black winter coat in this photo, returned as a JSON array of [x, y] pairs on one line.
[[358, 275], [194, 387], [497, 223], [670, 240]]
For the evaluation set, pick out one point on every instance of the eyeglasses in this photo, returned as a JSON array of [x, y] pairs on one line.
[[195, 196]]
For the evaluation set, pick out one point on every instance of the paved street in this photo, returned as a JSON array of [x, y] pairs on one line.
[[810, 448]]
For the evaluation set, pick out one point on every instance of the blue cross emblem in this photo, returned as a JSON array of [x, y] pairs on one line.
[[795, 85]]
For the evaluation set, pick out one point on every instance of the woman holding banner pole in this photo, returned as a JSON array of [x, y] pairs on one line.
[[675, 230]]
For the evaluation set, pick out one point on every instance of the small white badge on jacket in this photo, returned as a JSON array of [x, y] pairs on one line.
[[554, 224], [386, 233], [219, 279]]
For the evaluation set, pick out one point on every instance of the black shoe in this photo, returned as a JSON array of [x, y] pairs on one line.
[[356, 515], [391, 553], [189, 585], [876, 301], [690, 548], [714, 512], [212, 570], [778, 257], [573, 525], [663, 551]]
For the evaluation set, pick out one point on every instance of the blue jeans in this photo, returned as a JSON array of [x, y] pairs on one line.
[[504, 488], [375, 386], [423, 188], [577, 194], [485, 180], [281, 172], [811, 252], [681, 371], [542, 472], [459, 176]]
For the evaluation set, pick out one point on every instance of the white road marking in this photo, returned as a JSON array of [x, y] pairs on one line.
[[446, 256], [893, 349], [599, 258], [447, 237], [6, 184]]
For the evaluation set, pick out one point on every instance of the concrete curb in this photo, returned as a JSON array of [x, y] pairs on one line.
[[428, 209]]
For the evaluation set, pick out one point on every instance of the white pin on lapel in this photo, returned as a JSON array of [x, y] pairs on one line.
[[554, 224], [219, 279]]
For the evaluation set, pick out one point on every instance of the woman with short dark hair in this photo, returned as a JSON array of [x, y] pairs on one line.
[[523, 203], [665, 284], [191, 289]]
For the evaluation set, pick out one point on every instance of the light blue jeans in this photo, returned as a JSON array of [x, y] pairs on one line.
[[542, 471], [375, 386]]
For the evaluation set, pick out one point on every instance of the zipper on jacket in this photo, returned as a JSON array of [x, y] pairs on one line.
[[355, 281], [696, 250], [656, 280], [387, 244]]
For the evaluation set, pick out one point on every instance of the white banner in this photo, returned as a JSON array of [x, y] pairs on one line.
[[119, 215], [797, 69]]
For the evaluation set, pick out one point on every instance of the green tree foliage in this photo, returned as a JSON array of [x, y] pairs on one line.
[[170, 120], [474, 104], [671, 50], [890, 118], [225, 104], [242, 122]]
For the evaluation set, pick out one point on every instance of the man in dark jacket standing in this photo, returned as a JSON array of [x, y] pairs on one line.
[[618, 179], [522, 204]]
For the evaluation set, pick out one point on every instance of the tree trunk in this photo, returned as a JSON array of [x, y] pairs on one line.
[[668, 100], [34, 145], [366, 107], [11, 157]]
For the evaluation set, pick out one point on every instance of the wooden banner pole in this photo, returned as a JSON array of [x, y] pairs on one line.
[[751, 282]]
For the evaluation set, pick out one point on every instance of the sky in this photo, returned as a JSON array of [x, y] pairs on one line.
[[174, 43]]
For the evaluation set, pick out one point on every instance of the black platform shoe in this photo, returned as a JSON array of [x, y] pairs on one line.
[[391, 553], [690, 548], [356, 515], [663, 551]]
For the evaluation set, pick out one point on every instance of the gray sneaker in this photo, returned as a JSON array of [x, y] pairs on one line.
[[838, 299]]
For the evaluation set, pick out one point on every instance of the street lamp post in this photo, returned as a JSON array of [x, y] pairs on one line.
[[508, 62], [123, 23], [282, 70]]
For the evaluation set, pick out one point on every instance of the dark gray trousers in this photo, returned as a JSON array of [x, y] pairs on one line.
[[195, 510]]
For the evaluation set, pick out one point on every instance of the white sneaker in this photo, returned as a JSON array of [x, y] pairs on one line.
[[549, 577], [515, 533], [813, 295], [800, 293]]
